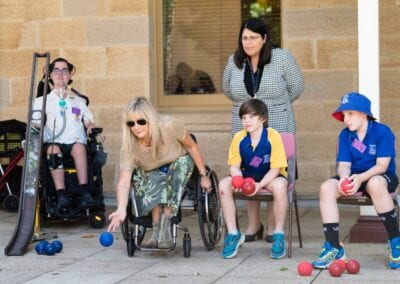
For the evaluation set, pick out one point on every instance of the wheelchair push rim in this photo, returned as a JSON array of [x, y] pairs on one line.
[[209, 213]]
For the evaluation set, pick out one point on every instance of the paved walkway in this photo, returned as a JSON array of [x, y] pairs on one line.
[[83, 260]]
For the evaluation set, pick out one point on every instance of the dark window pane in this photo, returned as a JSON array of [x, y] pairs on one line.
[[199, 36]]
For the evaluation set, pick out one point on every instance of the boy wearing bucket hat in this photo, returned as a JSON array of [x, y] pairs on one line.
[[366, 155]]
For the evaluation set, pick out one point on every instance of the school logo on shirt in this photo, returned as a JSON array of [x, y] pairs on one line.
[[266, 159], [372, 150]]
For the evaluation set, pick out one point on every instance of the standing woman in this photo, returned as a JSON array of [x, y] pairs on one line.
[[259, 69]]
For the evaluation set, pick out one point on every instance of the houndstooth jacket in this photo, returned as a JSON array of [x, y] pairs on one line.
[[282, 82]]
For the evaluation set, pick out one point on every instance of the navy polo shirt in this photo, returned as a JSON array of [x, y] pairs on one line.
[[255, 162], [379, 142]]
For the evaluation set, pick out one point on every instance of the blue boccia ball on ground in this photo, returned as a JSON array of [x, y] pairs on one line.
[[40, 248], [44, 242], [50, 249], [106, 239], [57, 245]]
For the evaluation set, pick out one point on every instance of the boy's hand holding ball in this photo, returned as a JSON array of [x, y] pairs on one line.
[[346, 186], [246, 185]]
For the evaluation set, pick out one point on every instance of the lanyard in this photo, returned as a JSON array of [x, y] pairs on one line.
[[255, 77]]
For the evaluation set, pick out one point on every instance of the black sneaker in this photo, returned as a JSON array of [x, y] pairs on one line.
[[87, 200], [63, 203]]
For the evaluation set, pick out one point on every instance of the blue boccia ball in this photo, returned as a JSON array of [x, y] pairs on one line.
[[50, 249], [106, 239], [40, 248], [44, 242], [57, 245]]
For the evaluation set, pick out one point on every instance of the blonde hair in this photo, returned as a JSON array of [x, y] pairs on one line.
[[141, 107]]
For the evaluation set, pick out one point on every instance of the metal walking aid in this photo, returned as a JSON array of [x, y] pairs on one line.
[[23, 231]]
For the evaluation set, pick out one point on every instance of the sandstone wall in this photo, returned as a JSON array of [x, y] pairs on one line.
[[113, 45]]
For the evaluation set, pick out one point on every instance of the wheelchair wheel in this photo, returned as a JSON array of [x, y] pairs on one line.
[[11, 203], [127, 227], [187, 245], [130, 244], [208, 210]]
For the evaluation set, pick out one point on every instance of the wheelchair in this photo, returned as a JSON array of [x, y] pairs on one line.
[[208, 210], [12, 133], [48, 196]]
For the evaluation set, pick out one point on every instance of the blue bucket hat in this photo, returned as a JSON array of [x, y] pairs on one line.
[[353, 101]]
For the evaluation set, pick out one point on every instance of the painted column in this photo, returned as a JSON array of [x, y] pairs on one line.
[[368, 62]]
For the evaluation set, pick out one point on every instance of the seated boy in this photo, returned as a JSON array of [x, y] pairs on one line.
[[366, 155], [256, 152]]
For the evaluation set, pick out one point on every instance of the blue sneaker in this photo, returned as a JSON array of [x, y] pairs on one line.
[[394, 257], [231, 244], [328, 255], [279, 246]]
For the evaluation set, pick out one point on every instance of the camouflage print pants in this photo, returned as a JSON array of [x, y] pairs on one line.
[[157, 187]]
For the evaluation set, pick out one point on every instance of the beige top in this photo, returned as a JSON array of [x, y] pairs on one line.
[[173, 132]]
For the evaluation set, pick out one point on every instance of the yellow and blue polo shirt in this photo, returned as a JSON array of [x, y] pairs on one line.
[[256, 160]]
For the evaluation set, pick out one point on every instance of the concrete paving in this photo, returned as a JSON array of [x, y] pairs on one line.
[[84, 260]]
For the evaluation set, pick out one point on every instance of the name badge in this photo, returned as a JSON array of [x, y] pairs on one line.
[[77, 112], [255, 162], [358, 145]]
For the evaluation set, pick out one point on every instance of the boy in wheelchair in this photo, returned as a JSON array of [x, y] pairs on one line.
[[68, 120], [162, 154]]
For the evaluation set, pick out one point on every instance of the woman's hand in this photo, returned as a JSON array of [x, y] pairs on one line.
[[116, 218], [205, 183]]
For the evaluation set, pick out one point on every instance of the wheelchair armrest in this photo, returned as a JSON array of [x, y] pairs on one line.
[[96, 130]]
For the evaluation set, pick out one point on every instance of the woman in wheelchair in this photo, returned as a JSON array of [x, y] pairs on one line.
[[67, 118], [160, 154]]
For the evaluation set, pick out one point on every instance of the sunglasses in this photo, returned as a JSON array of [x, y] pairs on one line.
[[132, 123]]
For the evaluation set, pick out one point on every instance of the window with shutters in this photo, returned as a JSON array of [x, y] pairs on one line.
[[195, 40]]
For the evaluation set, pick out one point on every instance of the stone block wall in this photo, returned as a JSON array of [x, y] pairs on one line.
[[323, 37], [112, 44], [106, 40]]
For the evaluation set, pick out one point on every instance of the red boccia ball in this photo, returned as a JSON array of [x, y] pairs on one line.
[[353, 266], [342, 263], [304, 268], [249, 186], [237, 181], [249, 179], [335, 269], [345, 185]]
